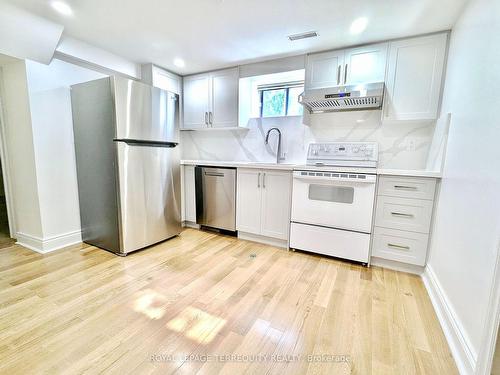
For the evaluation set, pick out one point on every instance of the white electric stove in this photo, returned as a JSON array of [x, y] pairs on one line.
[[333, 198]]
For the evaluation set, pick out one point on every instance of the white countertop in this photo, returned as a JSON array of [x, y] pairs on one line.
[[290, 167], [240, 164]]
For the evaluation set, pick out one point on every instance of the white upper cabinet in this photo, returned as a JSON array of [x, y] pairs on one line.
[[158, 77], [196, 101], [365, 64], [224, 98], [345, 67], [414, 78], [211, 99], [167, 81], [324, 69]]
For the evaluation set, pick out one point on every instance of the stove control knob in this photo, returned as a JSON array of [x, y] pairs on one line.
[[355, 150]]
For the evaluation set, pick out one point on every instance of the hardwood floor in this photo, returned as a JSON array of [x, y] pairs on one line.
[[187, 304]]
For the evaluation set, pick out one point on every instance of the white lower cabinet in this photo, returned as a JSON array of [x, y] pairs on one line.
[[189, 190], [263, 202], [404, 213], [401, 246], [248, 200], [403, 218], [407, 187]]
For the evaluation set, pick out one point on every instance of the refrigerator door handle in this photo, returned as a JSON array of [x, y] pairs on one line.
[[139, 142]]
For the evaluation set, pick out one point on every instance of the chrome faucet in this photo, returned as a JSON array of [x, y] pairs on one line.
[[278, 152]]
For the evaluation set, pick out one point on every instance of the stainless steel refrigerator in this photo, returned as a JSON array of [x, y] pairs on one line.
[[127, 157]]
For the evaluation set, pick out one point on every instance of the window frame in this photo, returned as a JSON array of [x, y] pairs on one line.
[[277, 86]]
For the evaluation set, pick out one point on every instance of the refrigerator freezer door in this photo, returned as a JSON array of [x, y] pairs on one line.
[[149, 194], [144, 112]]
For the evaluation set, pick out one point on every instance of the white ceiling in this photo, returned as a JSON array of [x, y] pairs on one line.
[[210, 34]]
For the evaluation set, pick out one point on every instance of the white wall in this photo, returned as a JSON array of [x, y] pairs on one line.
[[52, 124], [55, 161], [21, 157], [467, 225]]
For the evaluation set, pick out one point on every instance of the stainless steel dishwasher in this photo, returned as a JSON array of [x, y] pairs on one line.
[[216, 197]]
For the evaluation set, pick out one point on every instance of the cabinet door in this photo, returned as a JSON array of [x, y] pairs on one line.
[[324, 69], [166, 80], [224, 108], [276, 191], [248, 201], [414, 78], [189, 194], [196, 101], [365, 64]]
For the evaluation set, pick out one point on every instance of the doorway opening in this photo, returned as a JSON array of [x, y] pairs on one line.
[[495, 368], [5, 239]]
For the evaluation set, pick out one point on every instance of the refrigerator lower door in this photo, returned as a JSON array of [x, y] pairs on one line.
[[149, 194]]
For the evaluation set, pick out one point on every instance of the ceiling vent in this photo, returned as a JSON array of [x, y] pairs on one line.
[[308, 34]]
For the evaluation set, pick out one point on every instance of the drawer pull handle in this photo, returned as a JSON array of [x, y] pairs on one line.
[[398, 246], [403, 187], [400, 214]]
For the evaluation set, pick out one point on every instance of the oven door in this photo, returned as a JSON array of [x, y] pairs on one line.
[[335, 200]]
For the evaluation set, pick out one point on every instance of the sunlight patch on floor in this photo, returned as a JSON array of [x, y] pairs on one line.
[[197, 324], [151, 303]]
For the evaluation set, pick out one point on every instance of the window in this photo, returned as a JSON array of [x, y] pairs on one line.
[[270, 96], [281, 99]]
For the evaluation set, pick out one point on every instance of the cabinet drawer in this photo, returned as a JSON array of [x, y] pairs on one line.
[[407, 187], [403, 214], [401, 246]]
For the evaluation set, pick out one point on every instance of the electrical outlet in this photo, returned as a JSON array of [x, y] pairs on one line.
[[411, 144]]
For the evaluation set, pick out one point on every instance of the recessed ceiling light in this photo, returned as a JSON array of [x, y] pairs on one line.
[[359, 25], [178, 62], [62, 8], [308, 34]]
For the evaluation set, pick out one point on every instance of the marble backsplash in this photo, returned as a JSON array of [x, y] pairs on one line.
[[402, 145]]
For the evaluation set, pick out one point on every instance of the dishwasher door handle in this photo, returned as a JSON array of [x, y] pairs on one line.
[[214, 174]]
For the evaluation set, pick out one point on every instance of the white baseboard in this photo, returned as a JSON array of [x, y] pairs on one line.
[[263, 239], [461, 349], [396, 266], [46, 245]]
